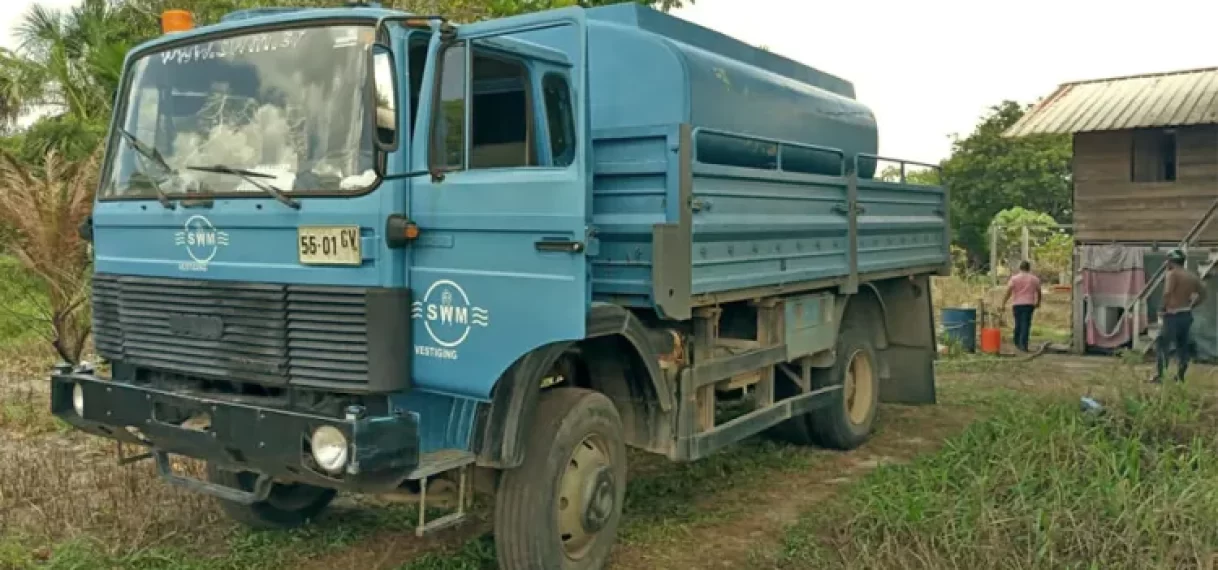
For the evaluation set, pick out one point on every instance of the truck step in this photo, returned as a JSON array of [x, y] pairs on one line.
[[436, 463], [442, 461]]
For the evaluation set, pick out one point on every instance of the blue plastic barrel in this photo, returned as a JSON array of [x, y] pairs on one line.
[[960, 325]]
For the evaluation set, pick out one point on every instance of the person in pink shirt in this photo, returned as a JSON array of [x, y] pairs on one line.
[[1023, 291]]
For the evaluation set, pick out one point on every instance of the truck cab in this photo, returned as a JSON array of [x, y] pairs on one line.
[[355, 249]]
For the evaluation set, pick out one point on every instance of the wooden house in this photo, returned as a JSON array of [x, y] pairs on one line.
[[1145, 173]]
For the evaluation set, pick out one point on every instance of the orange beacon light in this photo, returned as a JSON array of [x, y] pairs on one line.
[[176, 21]]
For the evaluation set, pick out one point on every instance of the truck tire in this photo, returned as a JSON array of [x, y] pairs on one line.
[[288, 506], [561, 508], [847, 423]]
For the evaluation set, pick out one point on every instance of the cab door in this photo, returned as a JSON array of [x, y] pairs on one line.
[[499, 267]]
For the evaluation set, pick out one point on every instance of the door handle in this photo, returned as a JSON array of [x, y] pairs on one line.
[[562, 245]]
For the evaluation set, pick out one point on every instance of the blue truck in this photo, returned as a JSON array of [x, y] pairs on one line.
[[358, 250]]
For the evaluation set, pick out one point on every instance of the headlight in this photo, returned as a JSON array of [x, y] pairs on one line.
[[330, 449], [78, 400]]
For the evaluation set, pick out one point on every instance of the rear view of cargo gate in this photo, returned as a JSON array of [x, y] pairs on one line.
[[355, 250]]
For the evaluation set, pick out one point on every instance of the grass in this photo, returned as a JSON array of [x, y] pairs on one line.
[[56, 489], [24, 406], [1038, 485], [665, 501], [242, 549], [23, 303], [66, 487], [125, 517], [477, 554]]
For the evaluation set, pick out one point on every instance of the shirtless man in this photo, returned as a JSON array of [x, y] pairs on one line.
[[1182, 290]]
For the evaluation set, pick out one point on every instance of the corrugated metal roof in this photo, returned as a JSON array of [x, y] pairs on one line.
[[1158, 100]]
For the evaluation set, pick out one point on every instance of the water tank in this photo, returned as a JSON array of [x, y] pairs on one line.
[[651, 68]]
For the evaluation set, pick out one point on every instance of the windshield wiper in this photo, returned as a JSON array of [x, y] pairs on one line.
[[154, 155], [252, 177]]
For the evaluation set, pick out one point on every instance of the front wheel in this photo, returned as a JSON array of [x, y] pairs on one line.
[[288, 506], [561, 508]]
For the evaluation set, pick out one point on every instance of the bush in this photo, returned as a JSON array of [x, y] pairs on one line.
[[22, 299]]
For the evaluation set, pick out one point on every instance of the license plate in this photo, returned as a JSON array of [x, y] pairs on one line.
[[329, 245]]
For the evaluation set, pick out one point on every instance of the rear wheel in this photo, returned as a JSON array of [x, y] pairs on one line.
[[289, 505], [561, 508], [846, 423]]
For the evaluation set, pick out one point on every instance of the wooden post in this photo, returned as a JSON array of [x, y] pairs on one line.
[[1079, 328], [706, 336], [994, 253], [1136, 327], [769, 333], [1024, 245]]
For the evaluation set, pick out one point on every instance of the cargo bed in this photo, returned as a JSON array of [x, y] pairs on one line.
[[748, 231]]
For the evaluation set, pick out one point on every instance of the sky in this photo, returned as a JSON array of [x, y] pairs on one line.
[[932, 68]]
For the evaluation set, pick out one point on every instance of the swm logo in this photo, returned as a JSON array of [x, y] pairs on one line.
[[202, 241], [449, 317]]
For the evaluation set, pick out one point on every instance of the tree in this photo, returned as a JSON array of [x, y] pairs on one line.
[[920, 176], [988, 173], [45, 207], [76, 54], [1045, 241], [67, 67]]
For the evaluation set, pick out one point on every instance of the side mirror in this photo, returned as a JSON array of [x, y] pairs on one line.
[[384, 98]]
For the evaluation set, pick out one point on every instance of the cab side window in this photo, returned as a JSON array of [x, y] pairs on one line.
[[485, 117], [560, 119], [448, 132]]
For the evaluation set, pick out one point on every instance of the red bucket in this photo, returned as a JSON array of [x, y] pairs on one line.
[[991, 340]]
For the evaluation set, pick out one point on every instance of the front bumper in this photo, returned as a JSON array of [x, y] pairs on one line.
[[271, 442]]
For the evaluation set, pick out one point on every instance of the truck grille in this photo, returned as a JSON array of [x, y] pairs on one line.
[[253, 332]]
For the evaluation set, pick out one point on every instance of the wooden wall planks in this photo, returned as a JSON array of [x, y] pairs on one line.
[[1110, 207]]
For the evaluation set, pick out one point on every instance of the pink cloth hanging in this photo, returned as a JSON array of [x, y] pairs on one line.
[[1112, 277]]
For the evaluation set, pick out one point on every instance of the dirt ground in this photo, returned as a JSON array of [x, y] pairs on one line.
[[761, 512]]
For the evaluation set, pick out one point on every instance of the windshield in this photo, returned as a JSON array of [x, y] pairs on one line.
[[289, 104]]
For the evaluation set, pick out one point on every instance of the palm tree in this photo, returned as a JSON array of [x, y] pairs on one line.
[[21, 86], [44, 207], [78, 54]]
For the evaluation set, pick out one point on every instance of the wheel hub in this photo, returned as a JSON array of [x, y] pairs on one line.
[[859, 386], [587, 496], [600, 491]]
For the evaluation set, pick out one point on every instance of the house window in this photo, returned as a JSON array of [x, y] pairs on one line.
[[1153, 156]]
